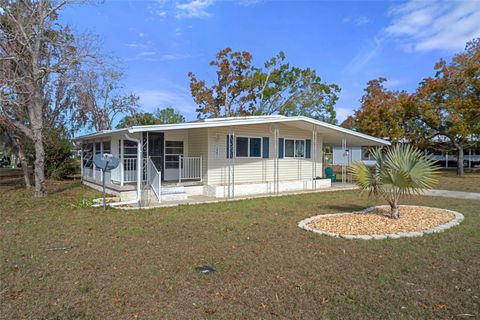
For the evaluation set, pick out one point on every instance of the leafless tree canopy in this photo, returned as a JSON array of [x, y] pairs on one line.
[[51, 77]]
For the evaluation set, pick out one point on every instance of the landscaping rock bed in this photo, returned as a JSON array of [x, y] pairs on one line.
[[375, 223]]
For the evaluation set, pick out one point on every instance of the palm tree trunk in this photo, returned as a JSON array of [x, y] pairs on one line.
[[394, 212], [393, 202]]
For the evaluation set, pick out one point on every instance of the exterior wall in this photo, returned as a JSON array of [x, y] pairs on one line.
[[355, 154], [250, 170], [247, 189], [198, 146]]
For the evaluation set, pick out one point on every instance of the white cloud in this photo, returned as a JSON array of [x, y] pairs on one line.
[[153, 56], [193, 9], [426, 25], [161, 98], [392, 83], [365, 55], [343, 113], [147, 53], [247, 3], [361, 21], [357, 21], [136, 45]]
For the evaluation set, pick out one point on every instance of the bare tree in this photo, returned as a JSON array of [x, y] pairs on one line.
[[15, 139], [36, 52], [100, 97]]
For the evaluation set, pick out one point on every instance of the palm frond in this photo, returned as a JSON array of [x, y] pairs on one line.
[[402, 170]]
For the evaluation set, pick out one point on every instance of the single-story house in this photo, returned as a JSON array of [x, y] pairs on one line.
[[222, 157]]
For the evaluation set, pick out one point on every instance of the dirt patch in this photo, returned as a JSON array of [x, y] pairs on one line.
[[378, 221]]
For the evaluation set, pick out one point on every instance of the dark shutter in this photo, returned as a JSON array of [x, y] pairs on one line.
[[308, 148], [229, 147], [280, 148], [266, 147]]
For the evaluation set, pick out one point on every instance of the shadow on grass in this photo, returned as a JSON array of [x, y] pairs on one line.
[[342, 208]]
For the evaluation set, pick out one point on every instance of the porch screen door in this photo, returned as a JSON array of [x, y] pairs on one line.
[[155, 149]]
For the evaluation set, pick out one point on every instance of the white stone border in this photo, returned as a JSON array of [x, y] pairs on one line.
[[458, 217]]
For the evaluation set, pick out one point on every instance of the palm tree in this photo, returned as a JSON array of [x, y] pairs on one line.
[[400, 171]]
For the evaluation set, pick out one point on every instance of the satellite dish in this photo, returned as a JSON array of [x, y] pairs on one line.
[[105, 161]]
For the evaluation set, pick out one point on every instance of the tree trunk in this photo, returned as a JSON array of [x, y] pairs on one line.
[[23, 161], [40, 190], [460, 157], [395, 214], [18, 147]]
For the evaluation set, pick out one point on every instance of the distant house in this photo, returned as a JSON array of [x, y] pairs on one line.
[[222, 157], [346, 155]]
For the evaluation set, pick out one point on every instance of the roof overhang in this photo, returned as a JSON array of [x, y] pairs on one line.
[[331, 134]]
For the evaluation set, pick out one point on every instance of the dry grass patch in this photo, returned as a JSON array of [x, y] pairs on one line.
[[378, 221], [141, 264]]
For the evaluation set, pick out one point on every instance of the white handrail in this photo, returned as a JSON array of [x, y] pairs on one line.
[[190, 168], [155, 179]]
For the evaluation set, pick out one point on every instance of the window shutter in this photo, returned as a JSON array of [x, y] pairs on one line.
[[265, 147], [308, 149], [229, 147], [280, 148]]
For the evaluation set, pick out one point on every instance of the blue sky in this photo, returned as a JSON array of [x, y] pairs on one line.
[[346, 42]]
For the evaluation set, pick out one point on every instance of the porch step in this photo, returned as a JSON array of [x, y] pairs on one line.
[[172, 190], [174, 196]]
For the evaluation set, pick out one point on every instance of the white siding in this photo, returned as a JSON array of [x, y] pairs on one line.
[[198, 146], [248, 170]]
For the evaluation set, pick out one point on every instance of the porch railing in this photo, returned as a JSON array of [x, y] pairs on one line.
[[130, 169], [155, 179], [96, 174], [190, 168]]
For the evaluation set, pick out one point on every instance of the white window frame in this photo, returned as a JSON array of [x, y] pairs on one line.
[[248, 146], [370, 156], [165, 154], [294, 142]]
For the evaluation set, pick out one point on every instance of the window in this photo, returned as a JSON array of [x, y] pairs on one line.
[[106, 147], [129, 149], [248, 147], [173, 151], [87, 155], [255, 147], [242, 147], [294, 148], [367, 153], [289, 148], [98, 148], [299, 148]]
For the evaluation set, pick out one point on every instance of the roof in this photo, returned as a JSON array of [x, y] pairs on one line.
[[333, 133]]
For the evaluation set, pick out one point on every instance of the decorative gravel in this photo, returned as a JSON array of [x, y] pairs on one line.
[[375, 222]]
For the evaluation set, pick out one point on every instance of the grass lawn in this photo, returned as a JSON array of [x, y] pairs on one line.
[[449, 180], [140, 264]]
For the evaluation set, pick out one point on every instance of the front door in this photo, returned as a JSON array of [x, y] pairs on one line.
[[173, 151], [156, 142]]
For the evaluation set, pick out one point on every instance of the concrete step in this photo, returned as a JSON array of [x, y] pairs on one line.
[[172, 190], [174, 196]]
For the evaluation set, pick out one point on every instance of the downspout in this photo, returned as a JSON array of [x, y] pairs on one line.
[[139, 173]]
